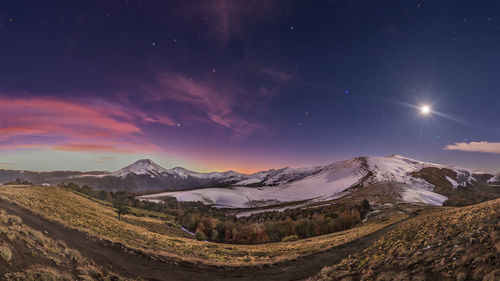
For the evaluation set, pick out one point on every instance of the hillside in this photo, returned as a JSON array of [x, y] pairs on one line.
[[141, 233], [29, 254], [457, 244]]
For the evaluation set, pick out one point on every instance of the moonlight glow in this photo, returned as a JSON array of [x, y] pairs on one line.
[[425, 110]]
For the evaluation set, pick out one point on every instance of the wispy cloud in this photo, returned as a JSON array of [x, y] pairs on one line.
[[218, 103], [90, 126], [482, 146]]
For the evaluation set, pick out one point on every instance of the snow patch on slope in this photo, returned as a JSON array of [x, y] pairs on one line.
[[453, 182], [494, 179], [326, 184], [419, 195]]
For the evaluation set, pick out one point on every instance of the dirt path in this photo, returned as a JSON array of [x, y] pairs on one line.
[[113, 257]]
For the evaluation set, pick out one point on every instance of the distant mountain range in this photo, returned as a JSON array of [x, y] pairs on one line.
[[146, 175], [382, 179]]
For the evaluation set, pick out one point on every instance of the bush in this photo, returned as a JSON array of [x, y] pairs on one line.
[[38, 237], [74, 255], [214, 235], [3, 218], [13, 220], [290, 238], [5, 253], [490, 277], [200, 236]]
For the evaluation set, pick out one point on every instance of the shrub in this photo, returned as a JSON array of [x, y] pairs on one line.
[[74, 255], [38, 237], [490, 277], [3, 218], [200, 236], [462, 276], [13, 220], [214, 235], [290, 238], [5, 253]]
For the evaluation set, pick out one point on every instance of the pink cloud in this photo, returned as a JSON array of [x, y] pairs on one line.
[[91, 126], [218, 104], [482, 146], [101, 147]]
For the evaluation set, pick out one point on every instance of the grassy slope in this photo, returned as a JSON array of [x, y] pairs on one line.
[[81, 213], [27, 254], [457, 244]]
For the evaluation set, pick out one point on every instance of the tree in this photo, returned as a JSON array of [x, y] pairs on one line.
[[365, 205], [121, 202], [200, 236], [104, 195]]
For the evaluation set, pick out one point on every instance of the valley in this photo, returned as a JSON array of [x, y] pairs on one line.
[[134, 250], [286, 231]]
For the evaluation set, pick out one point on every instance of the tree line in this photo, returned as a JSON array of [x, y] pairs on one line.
[[215, 225], [274, 226]]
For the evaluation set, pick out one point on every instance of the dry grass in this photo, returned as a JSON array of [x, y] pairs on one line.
[[80, 213], [39, 255], [456, 244]]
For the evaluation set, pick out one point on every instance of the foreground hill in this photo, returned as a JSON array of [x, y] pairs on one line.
[[29, 254], [449, 243], [159, 237], [458, 244]]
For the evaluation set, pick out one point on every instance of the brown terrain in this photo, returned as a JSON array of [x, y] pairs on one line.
[[114, 257]]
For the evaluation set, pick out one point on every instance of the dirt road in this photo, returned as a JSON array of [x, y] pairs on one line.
[[113, 257]]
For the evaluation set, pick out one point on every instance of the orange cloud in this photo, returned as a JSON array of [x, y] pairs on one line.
[[91, 126]]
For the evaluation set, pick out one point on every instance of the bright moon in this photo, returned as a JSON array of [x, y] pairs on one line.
[[425, 109]]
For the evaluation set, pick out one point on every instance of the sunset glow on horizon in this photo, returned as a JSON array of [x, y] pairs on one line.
[[243, 86]]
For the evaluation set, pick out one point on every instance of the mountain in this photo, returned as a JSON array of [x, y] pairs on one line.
[[141, 167], [380, 179], [146, 175]]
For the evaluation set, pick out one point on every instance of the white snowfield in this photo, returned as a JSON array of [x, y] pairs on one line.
[[494, 179], [322, 183], [325, 184]]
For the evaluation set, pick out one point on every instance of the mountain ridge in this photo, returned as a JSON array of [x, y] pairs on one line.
[[393, 176]]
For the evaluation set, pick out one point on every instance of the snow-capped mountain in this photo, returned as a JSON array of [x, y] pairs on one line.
[[141, 167], [392, 178], [381, 179]]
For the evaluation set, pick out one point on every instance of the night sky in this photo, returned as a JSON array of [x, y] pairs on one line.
[[247, 85]]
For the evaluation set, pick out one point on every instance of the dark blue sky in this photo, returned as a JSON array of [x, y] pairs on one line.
[[247, 85]]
